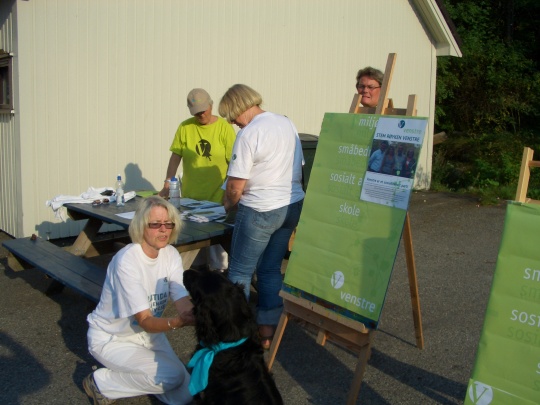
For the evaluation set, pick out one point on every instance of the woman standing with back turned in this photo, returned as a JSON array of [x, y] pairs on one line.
[[265, 182]]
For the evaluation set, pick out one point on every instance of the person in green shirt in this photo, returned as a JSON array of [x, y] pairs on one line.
[[203, 144]]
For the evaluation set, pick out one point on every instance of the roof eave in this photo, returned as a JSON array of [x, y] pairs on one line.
[[440, 27]]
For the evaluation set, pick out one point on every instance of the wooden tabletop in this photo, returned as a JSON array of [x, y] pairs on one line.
[[107, 213], [193, 235]]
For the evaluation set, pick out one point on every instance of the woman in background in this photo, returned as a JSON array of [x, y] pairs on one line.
[[368, 84], [203, 145]]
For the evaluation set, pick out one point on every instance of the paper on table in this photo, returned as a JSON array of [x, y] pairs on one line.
[[191, 203], [127, 215], [205, 214]]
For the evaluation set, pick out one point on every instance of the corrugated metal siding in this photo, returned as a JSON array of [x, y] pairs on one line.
[[103, 83], [10, 208], [10, 215]]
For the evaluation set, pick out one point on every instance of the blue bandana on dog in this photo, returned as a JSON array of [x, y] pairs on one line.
[[201, 362]]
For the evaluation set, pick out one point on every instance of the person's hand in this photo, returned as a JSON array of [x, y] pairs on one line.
[[164, 192], [187, 318], [230, 208], [184, 308]]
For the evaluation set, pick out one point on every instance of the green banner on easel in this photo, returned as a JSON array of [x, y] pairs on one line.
[[507, 367], [354, 211]]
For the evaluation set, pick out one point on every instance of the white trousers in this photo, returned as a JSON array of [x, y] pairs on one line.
[[140, 364]]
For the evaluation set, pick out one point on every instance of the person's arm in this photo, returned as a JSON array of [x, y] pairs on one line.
[[233, 192], [174, 162], [372, 158], [152, 324]]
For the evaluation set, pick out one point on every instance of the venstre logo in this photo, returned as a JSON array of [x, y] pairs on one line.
[[480, 393], [338, 280]]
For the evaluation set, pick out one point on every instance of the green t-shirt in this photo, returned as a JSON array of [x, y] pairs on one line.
[[205, 151]]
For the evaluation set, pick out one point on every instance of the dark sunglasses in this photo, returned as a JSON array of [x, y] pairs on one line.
[[157, 225]]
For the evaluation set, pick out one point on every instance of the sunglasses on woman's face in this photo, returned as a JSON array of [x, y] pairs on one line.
[[157, 225]]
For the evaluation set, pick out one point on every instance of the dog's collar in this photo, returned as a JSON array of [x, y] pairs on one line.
[[201, 362]]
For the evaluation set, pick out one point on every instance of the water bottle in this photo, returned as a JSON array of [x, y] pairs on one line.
[[174, 192], [119, 191]]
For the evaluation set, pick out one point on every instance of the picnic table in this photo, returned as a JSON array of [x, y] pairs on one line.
[[82, 266]]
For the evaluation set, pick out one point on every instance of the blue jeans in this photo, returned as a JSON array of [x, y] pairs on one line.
[[259, 242]]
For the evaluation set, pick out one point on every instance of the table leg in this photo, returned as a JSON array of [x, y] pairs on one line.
[[190, 250], [84, 240], [189, 257]]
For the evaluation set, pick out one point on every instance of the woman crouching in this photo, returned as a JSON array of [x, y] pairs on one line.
[[126, 329]]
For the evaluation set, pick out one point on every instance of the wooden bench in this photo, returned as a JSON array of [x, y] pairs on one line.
[[75, 272]]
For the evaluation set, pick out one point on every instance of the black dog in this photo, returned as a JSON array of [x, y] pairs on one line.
[[238, 375]]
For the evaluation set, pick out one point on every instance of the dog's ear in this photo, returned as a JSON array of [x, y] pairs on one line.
[[205, 326], [201, 285], [189, 278]]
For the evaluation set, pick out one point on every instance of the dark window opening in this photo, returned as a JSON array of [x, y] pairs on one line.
[[6, 94]]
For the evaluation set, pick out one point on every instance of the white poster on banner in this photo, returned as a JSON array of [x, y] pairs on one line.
[[392, 164]]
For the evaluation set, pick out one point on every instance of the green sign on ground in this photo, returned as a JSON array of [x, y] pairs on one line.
[[507, 367], [354, 212]]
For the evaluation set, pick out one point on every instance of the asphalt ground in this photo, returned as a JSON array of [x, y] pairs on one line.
[[44, 358]]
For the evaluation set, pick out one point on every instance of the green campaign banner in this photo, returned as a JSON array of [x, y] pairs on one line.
[[354, 212], [507, 367]]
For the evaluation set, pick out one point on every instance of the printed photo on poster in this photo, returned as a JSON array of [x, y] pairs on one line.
[[392, 163]]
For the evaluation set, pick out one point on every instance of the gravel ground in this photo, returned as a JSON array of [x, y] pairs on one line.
[[44, 358]]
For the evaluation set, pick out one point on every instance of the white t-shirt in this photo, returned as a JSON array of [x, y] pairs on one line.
[[136, 282], [268, 153]]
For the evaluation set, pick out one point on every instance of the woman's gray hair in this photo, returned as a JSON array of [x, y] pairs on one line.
[[142, 216], [237, 100], [370, 72]]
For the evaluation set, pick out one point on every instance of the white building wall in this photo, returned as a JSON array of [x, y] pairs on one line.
[[102, 83]]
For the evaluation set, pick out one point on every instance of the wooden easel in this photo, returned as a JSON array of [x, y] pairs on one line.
[[524, 174], [330, 326], [386, 107]]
